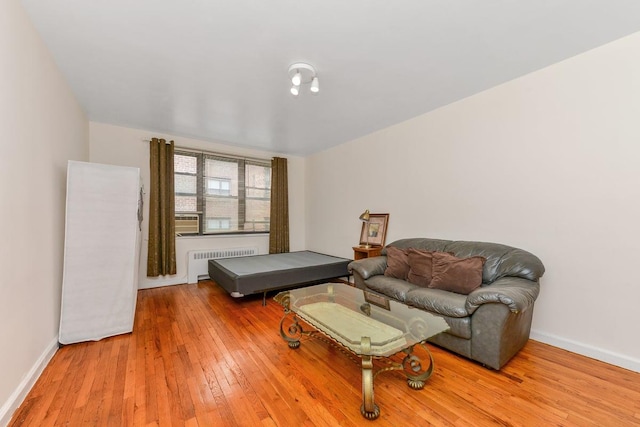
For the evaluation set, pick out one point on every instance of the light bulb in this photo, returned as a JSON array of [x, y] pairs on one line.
[[296, 79], [295, 90], [315, 85]]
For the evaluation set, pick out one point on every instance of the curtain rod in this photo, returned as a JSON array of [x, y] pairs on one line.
[[193, 150]]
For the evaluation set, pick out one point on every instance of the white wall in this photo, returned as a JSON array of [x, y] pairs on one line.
[[549, 162], [41, 127], [127, 147]]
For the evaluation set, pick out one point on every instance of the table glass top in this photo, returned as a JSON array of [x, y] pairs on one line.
[[347, 314]]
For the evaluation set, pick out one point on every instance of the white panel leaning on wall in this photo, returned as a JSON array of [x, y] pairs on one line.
[[102, 247]]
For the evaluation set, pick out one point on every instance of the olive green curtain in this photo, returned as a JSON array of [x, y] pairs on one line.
[[279, 223], [161, 259]]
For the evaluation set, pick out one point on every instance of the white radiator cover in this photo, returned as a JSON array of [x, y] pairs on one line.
[[198, 261]]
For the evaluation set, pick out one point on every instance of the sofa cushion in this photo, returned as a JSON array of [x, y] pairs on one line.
[[397, 263], [461, 275], [389, 286], [420, 267], [437, 301]]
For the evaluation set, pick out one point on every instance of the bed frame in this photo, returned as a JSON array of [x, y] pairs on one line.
[[261, 273]]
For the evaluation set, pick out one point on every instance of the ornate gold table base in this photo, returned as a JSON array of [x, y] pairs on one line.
[[411, 364]]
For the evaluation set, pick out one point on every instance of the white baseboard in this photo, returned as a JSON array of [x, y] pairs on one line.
[[606, 356], [160, 282], [16, 398]]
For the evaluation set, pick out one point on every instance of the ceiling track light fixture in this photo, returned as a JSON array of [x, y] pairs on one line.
[[302, 74], [297, 78], [315, 85]]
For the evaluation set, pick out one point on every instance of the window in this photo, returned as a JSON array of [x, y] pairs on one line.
[[229, 194], [219, 186], [219, 223]]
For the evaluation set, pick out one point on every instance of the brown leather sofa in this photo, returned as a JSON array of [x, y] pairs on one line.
[[490, 324]]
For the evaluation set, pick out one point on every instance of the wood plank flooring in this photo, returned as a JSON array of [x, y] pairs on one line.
[[198, 357]]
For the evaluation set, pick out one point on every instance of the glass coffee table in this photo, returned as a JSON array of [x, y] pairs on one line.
[[367, 324]]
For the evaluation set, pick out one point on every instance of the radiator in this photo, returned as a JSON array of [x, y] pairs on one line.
[[197, 264]]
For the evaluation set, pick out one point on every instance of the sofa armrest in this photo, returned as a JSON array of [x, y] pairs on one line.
[[369, 266], [516, 293]]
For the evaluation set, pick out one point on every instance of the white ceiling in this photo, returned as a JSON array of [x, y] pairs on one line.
[[217, 70]]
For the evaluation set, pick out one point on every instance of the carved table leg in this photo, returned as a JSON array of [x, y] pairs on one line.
[[293, 332], [369, 409], [413, 369]]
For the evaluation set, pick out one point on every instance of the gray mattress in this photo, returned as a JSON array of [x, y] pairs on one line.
[[254, 274]]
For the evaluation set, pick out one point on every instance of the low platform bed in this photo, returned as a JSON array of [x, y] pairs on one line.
[[261, 273]]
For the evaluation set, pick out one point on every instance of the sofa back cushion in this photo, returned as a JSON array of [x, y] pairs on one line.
[[501, 260], [420, 266], [419, 243], [460, 275], [397, 263]]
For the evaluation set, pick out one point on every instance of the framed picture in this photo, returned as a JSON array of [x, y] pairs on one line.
[[374, 232]]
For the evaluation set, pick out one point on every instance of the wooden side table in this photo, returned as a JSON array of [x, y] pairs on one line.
[[360, 253]]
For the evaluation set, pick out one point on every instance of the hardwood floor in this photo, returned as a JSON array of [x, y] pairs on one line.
[[198, 357]]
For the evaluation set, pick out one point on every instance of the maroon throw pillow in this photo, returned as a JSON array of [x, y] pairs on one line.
[[420, 265], [397, 263], [460, 275]]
